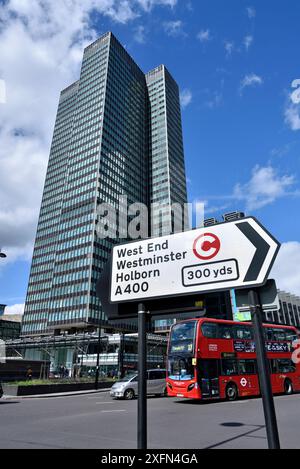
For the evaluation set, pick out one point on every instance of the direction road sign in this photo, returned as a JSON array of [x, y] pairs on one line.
[[235, 254]]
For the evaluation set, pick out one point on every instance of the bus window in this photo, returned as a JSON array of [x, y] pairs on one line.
[[243, 332], [208, 369], [209, 329], [269, 333], [286, 366], [225, 332], [229, 367], [247, 367], [273, 366], [291, 335], [279, 334]]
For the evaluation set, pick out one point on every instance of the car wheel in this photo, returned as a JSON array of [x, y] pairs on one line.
[[288, 387], [165, 392], [129, 394], [231, 392]]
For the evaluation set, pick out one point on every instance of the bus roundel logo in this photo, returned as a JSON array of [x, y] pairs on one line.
[[206, 246], [244, 382]]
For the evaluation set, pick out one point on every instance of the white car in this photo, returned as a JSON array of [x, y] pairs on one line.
[[127, 388]]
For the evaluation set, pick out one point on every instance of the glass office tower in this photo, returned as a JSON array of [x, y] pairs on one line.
[[167, 182], [117, 133]]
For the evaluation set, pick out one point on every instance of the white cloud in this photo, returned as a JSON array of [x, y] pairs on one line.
[[286, 269], [185, 98], [204, 35], [248, 40], [23, 164], [189, 5], [250, 80], [229, 47], [292, 117], [216, 98], [292, 108], [251, 12], [139, 35], [295, 95], [41, 45], [2, 92], [15, 309], [264, 187], [173, 28], [147, 5], [282, 150], [214, 209], [215, 101]]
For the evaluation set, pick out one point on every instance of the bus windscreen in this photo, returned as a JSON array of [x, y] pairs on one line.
[[182, 338], [180, 368]]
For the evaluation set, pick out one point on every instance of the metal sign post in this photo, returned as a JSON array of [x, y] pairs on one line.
[[264, 372], [98, 357], [142, 378]]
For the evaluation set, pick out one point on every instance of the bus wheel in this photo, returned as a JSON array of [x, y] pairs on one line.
[[288, 387], [231, 392], [129, 394]]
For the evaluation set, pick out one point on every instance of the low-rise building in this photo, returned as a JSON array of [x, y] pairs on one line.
[[10, 326], [77, 353], [289, 311]]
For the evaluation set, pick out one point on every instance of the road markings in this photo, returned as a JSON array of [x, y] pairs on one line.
[[117, 410], [97, 396], [102, 403]]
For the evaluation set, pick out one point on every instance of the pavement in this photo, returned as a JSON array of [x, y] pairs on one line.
[[96, 421], [56, 394]]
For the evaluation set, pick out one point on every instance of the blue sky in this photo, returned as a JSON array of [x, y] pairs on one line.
[[234, 62]]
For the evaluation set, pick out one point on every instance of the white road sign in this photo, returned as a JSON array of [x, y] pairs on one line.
[[228, 255]]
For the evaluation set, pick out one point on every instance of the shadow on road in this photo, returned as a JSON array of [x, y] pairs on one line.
[[216, 401], [248, 433], [199, 402], [3, 402], [232, 424]]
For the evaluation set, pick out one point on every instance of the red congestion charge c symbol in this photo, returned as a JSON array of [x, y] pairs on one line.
[[206, 246]]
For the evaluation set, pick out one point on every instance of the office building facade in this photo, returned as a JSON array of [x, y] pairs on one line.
[[117, 133], [288, 312], [167, 182]]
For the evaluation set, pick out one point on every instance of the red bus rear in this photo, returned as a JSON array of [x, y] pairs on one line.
[[210, 358]]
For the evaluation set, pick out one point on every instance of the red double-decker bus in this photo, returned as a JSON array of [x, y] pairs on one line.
[[210, 358]]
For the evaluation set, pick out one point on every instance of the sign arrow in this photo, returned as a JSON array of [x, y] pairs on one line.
[[262, 249]]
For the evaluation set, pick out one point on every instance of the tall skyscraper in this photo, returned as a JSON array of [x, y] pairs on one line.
[[117, 132], [167, 180]]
